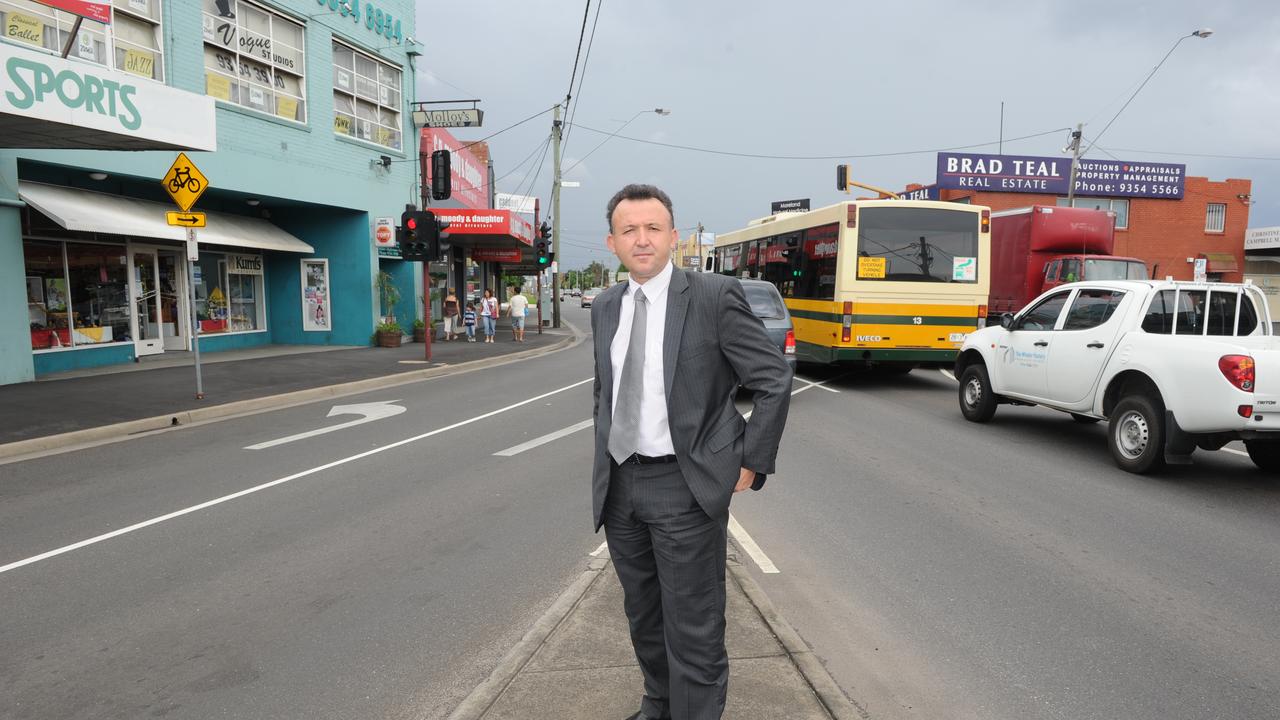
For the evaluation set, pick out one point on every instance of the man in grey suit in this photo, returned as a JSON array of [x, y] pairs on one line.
[[671, 449]]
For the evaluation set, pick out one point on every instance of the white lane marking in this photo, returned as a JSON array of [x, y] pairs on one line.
[[749, 545], [370, 412], [604, 546], [947, 373], [273, 483], [1233, 450], [517, 449], [821, 385]]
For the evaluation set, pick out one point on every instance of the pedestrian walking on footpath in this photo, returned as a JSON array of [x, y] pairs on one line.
[[489, 314], [671, 449], [517, 310], [451, 311], [469, 321]]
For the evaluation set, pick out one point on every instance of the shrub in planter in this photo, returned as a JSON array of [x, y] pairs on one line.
[[388, 334], [419, 331]]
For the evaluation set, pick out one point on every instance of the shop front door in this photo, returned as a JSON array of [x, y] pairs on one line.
[[172, 296], [146, 302]]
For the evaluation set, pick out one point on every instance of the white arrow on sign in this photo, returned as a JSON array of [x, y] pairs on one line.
[[370, 411]]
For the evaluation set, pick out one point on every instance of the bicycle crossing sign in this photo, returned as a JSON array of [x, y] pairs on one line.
[[184, 182]]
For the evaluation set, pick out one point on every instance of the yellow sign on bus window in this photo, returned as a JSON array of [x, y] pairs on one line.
[[871, 267]]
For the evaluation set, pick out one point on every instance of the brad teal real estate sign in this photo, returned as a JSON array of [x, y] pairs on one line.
[[1030, 174]]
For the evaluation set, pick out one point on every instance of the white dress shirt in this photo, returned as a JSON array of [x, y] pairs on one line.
[[655, 433]]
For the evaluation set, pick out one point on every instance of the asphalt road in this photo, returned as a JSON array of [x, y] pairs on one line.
[[940, 569]]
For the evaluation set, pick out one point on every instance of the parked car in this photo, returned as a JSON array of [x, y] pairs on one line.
[[589, 295], [1172, 366], [766, 303]]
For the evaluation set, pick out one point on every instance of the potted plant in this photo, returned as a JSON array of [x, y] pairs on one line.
[[387, 334], [419, 331], [389, 294]]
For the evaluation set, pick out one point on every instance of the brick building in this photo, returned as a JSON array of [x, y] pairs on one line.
[[1168, 234]]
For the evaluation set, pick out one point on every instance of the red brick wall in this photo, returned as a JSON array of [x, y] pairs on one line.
[[1162, 233]]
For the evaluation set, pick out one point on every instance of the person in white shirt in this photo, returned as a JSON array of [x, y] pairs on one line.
[[517, 309]]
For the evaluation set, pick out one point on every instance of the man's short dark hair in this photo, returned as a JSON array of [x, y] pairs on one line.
[[636, 191]]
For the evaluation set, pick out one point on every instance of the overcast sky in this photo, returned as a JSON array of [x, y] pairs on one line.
[[830, 78]]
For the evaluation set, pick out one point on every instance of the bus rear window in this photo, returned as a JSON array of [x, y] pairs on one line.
[[917, 245]]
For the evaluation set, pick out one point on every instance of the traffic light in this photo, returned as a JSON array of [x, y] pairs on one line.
[[413, 239], [542, 247], [441, 175], [441, 235], [842, 178]]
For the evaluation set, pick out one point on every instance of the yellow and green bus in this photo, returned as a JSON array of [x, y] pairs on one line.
[[892, 282]]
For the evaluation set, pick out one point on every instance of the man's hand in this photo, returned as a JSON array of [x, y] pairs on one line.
[[745, 478]]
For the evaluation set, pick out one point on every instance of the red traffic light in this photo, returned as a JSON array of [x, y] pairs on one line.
[[411, 223]]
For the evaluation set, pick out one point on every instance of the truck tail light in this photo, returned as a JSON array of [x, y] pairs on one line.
[[846, 333], [789, 345], [1245, 411], [982, 316], [1238, 370], [986, 221]]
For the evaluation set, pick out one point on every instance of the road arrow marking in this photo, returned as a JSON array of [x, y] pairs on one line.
[[369, 411]]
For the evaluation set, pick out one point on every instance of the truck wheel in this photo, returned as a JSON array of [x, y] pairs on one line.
[[977, 400], [1264, 453], [1083, 419], [1136, 436]]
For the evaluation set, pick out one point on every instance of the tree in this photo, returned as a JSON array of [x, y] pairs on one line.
[[595, 275]]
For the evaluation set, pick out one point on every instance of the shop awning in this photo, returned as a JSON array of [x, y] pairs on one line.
[[88, 211], [1221, 262], [498, 229]]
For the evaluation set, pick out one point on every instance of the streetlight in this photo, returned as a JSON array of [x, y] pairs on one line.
[[659, 111], [1075, 140], [556, 128]]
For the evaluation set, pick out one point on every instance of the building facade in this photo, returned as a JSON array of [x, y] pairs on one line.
[[315, 150]]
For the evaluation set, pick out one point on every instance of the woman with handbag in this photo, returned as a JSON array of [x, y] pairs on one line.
[[450, 315]]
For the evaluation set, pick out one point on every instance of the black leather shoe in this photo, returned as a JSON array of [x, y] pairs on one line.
[[641, 716]]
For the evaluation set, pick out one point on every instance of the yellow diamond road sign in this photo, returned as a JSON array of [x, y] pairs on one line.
[[181, 219], [184, 182]]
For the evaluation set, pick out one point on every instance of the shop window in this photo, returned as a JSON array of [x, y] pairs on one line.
[[131, 43], [254, 58], [77, 294], [366, 98], [229, 293], [1119, 206], [1215, 217]]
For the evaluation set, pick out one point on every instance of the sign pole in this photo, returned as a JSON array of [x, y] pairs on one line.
[[193, 255]]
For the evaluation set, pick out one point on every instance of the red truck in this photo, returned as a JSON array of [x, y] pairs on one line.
[[1035, 248]]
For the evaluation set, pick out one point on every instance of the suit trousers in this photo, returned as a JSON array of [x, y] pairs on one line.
[[670, 559]]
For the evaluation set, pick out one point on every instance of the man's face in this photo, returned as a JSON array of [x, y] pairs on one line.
[[642, 237]]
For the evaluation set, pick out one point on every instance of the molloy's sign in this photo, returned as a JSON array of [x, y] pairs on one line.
[[469, 176], [492, 254], [781, 206], [466, 117], [1020, 173], [99, 11], [384, 232], [100, 108], [245, 264], [1262, 238]]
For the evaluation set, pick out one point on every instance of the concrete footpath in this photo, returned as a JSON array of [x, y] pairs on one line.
[[89, 406], [576, 663]]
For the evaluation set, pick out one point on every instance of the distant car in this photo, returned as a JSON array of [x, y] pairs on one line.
[[766, 303], [589, 295], [575, 292]]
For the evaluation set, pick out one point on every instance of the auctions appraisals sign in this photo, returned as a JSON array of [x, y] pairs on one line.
[[1022, 173]]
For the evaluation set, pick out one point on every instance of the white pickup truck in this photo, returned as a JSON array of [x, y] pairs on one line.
[[1173, 366]]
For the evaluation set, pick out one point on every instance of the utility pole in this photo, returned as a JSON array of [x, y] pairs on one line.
[[555, 219], [1075, 162], [698, 239]]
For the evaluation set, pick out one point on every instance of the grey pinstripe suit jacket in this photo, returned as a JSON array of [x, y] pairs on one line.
[[711, 343]]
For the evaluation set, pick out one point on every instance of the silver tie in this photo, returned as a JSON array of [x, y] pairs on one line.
[[624, 433]]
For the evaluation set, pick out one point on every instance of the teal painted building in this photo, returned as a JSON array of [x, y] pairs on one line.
[[314, 143]]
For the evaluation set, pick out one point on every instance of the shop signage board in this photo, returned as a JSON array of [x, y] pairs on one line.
[[930, 192], [384, 233], [523, 204], [1025, 173], [95, 108], [1263, 238], [469, 117], [185, 219], [493, 254], [487, 222], [468, 174], [96, 11], [184, 182]]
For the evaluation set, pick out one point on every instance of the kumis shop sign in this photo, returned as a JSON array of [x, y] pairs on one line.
[[98, 106]]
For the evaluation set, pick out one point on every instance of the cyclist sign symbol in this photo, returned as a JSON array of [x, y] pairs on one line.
[[184, 182]]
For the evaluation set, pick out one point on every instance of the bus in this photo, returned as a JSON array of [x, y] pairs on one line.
[[896, 283]]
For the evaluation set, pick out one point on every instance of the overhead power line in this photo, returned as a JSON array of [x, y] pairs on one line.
[[817, 157], [487, 137], [591, 41]]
